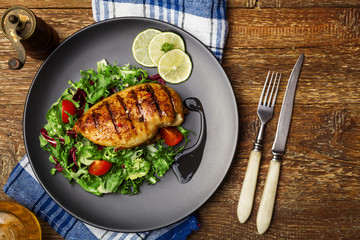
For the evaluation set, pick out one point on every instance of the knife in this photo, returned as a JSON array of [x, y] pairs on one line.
[[268, 197]]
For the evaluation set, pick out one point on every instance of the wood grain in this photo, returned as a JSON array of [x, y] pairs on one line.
[[306, 4], [303, 28], [319, 187], [47, 4]]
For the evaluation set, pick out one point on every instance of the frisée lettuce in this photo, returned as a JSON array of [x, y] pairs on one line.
[[72, 154]]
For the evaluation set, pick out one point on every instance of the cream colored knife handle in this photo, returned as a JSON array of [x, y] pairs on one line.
[[268, 198], [248, 188]]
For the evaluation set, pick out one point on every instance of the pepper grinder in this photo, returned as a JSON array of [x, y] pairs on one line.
[[29, 35]]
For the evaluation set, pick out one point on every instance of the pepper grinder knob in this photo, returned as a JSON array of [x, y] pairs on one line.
[[15, 64], [13, 19]]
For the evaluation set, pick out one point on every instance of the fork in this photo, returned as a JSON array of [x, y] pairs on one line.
[[265, 112]]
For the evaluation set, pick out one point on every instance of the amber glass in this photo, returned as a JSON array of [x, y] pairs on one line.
[[17, 222]]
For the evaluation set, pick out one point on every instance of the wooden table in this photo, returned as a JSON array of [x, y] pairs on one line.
[[319, 189]]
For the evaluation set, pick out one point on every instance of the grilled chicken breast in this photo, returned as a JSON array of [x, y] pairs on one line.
[[132, 116]]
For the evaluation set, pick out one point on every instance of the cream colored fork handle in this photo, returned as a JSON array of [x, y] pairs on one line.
[[248, 188], [268, 197]]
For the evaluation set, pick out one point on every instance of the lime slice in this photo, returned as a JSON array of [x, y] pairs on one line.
[[163, 42], [140, 47], [175, 66]]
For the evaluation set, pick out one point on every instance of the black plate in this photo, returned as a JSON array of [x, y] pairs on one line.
[[168, 201]]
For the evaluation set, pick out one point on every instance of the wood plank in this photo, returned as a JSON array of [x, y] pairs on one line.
[[295, 221], [292, 28], [46, 4], [306, 4], [292, 4], [328, 75]]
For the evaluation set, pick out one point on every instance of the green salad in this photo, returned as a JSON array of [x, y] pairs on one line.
[[73, 155]]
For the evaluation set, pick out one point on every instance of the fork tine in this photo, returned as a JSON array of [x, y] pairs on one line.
[[263, 91], [272, 91], [268, 88], [264, 88], [276, 92]]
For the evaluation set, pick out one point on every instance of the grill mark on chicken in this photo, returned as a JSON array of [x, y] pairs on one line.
[[112, 118], [94, 117], [167, 91], [138, 105], [127, 111], [150, 90]]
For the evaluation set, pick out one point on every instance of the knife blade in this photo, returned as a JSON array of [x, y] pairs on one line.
[[286, 109], [278, 150]]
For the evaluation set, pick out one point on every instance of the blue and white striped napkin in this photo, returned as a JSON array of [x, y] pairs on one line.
[[204, 19], [23, 187]]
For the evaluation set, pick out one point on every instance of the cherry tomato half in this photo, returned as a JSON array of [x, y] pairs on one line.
[[99, 167], [67, 106], [171, 135]]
